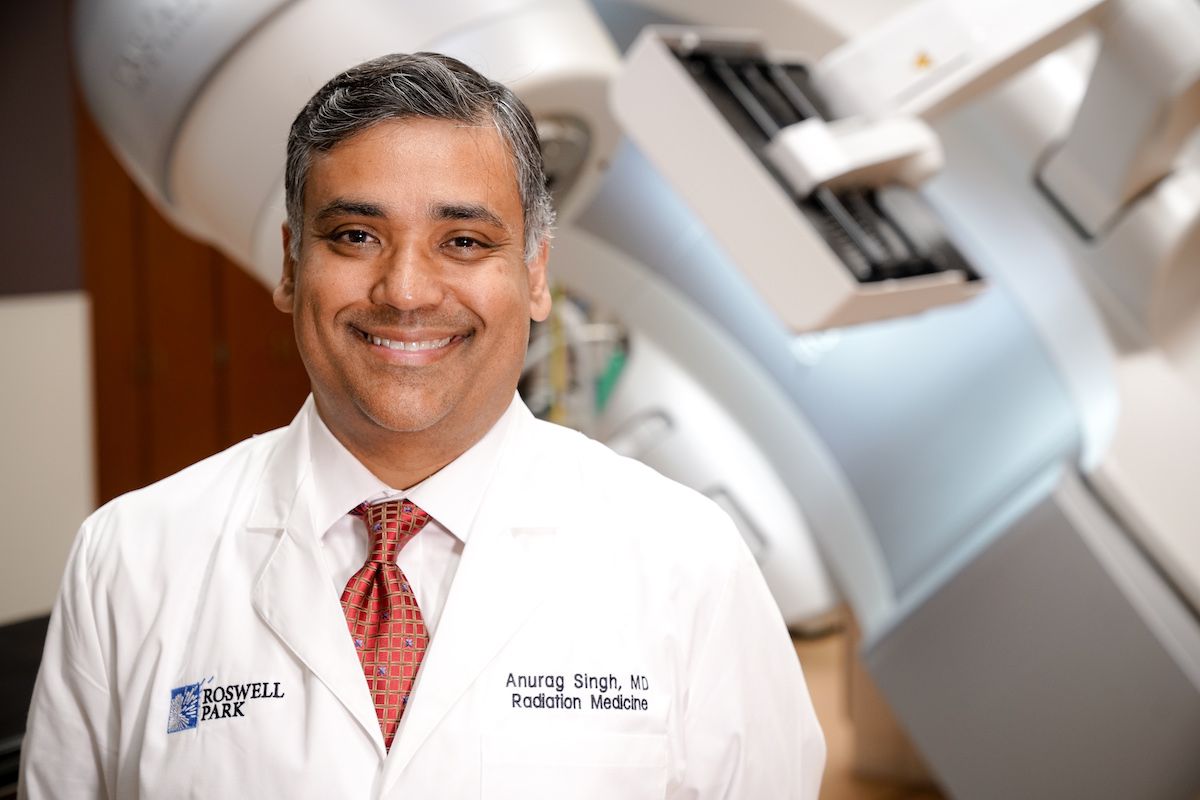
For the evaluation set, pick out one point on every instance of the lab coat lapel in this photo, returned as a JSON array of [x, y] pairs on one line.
[[293, 595], [503, 576]]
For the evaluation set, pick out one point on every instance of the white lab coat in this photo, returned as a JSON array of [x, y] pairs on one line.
[[607, 635]]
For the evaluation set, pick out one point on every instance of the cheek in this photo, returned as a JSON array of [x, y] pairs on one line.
[[506, 298], [307, 326], [321, 295], [512, 318]]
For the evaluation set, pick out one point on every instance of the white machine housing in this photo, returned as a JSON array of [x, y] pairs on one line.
[[196, 98], [1118, 198], [755, 215], [1008, 643]]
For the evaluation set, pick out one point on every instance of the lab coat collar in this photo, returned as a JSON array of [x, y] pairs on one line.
[[309, 622], [513, 562], [340, 481], [452, 495], [502, 577], [287, 468]]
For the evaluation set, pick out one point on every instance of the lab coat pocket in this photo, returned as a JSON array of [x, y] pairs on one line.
[[574, 766]]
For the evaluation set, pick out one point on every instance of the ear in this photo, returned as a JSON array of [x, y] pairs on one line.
[[539, 288], [285, 292]]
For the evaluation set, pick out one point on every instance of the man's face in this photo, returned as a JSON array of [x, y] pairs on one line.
[[411, 296]]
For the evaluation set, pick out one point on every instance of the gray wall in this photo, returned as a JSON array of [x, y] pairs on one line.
[[46, 470]]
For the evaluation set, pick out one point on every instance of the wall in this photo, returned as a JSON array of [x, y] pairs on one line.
[[190, 354], [46, 472], [128, 351]]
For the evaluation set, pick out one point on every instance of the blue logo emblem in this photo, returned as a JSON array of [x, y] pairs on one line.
[[185, 708], [201, 701]]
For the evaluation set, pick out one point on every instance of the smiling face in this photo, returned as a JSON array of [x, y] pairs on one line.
[[411, 297]]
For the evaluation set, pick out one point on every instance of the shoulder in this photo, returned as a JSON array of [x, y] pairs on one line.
[[190, 499], [609, 475], [677, 550], [194, 487], [651, 506]]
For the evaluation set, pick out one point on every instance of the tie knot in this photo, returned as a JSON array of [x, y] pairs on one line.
[[391, 525]]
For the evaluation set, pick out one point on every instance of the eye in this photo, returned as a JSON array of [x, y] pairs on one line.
[[353, 236], [466, 248]]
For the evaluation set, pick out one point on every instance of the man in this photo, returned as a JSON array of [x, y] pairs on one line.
[[416, 589]]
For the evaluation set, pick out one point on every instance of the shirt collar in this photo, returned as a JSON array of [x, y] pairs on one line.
[[451, 495]]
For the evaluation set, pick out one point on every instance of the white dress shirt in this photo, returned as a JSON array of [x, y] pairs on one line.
[[450, 496]]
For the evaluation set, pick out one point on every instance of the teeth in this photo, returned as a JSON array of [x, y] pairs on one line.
[[410, 347]]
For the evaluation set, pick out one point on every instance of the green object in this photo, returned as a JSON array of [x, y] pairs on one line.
[[608, 379]]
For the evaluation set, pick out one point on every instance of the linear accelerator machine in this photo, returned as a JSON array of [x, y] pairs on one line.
[[997, 478], [1027, 568]]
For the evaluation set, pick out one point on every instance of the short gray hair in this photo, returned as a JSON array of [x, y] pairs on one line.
[[417, 85]]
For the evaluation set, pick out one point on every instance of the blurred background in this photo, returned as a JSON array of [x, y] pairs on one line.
[[909, 287]]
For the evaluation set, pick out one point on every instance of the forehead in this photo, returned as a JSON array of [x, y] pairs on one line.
[[405, 161]]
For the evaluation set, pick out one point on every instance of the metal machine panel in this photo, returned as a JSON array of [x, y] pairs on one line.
[[1054, 665], [732, 130]]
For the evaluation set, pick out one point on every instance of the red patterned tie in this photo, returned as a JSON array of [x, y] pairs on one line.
[[382, 611]]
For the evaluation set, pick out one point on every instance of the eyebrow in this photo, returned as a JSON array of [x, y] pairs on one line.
[[466, 212], [353, 208]]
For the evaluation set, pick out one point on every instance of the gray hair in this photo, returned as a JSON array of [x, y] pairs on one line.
[[404, 86]]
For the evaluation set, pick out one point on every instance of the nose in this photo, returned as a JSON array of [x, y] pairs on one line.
[[408, 278]]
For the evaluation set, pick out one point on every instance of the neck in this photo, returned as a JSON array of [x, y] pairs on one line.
[[399, 470], [402, 459]]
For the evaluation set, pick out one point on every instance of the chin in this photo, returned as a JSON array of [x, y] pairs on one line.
[[405, 417]]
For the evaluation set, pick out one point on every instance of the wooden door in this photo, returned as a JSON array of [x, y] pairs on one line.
[[189, 354]]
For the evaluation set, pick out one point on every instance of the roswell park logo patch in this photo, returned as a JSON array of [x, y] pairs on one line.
[[194, 703]]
